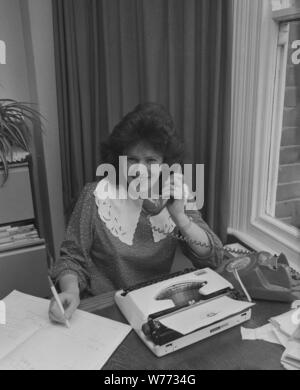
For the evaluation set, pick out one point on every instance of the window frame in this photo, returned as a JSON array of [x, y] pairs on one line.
[[258, 49], [286, 14]]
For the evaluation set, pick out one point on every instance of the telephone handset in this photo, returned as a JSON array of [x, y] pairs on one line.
[[258, 274], [155, 206]]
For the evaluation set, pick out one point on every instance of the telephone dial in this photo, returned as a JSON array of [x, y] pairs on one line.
[[258, 275]]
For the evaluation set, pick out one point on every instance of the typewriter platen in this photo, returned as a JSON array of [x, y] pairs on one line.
[[180, 309]]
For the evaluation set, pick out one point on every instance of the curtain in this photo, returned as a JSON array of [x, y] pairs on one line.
[[114, 54], [81, 90]]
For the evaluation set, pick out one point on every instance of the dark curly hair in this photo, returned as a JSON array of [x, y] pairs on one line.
[[148, 123]]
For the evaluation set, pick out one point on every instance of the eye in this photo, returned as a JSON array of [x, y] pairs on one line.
[[152, 161], [132, 160]]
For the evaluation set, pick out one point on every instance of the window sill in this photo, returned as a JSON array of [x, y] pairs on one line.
[[261, 240]]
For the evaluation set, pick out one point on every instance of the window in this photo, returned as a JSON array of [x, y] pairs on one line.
[[283, 200], [279, 5], [287, 204], [265, 142]]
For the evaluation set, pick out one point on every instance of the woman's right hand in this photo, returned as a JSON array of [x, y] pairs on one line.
[[70, 302]]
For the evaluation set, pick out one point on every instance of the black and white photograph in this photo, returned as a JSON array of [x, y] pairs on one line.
[[150, 187]]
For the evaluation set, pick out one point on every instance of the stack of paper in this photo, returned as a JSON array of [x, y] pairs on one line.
[[12, 237], [286, 326], [28, 341], [281, 330], [291, 356]]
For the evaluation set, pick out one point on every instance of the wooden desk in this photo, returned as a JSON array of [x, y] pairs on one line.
[[225, 351]]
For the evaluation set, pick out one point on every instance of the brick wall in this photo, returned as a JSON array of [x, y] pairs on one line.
[[288, 190]]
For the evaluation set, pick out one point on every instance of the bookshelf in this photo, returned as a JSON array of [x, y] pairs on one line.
[[23, 254]]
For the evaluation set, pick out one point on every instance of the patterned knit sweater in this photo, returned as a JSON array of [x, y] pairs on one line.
[[104, 263]]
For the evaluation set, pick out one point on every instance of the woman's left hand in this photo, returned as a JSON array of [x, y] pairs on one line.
[[174, 187]]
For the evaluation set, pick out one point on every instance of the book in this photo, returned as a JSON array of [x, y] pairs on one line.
[[21, 244], [15, 236]]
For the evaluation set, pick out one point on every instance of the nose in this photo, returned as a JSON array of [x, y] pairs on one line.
[[145, 166]]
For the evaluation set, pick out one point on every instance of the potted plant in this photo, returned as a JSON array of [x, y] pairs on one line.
[[16, 120]]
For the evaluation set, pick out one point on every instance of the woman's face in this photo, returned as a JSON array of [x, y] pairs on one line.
[[144, 155]]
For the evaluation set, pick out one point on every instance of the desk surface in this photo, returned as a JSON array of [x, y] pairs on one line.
[[225, 351]]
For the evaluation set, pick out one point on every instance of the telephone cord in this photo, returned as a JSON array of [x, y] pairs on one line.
[[201, 244]]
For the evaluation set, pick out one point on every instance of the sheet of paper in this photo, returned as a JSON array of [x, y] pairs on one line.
[[291, 356], [279, 331], [288, 366], [284, 323], [199, 316], [265, 333], [248, 334], [21, 321], [283, 338], [41, 345]]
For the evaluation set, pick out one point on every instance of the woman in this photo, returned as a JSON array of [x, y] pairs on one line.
[[113, 243]]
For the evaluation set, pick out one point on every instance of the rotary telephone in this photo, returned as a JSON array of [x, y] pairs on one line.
[[257, 275]]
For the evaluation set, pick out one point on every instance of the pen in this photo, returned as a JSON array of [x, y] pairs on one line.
[[56, 297]]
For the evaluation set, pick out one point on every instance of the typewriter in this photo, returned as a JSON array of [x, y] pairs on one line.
[[177, 310]]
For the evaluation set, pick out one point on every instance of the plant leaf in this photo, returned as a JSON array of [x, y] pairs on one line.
[[5, 165], [21, 136], [14, 136], [6, 146], [16, 122]]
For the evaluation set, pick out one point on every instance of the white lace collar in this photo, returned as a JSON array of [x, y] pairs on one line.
[[121, 216]]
